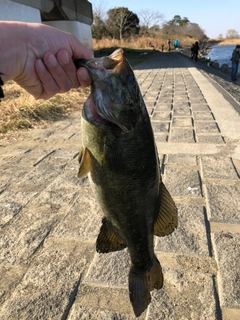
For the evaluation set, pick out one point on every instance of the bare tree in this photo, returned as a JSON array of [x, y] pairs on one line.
[[231, 33], [122, 21], [150, 17]]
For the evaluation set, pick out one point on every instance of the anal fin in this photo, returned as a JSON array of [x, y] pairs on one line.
[[167, 219], [108, 240]]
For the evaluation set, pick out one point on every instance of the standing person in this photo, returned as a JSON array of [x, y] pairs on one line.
[[40, 58], [176, 44], [235, 62], [192, 51], [195, 51], [169, 44]]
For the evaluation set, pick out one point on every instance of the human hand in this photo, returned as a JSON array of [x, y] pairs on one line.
[[40, 58]]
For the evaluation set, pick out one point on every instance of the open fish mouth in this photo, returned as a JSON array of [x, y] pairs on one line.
[[90, 113], [114, 95]]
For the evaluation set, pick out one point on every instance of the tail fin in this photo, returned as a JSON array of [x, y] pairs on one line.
[[141, 283]]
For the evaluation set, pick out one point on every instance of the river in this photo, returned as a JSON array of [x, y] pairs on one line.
[[222, 54]]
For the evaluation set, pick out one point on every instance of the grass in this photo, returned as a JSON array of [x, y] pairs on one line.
[[20, 111]]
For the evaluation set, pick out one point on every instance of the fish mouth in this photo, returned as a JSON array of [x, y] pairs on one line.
[[112, 102], [90, 114]]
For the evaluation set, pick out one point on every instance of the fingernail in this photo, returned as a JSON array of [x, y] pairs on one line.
[[52, 60], [64, 58]]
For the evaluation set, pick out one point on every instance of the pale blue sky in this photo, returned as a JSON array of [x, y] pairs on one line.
[[214, 17]]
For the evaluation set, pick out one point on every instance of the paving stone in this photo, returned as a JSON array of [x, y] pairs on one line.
[[160, 126], [206, 127], [182, 135], [226, 247], [202, 115], [11, 203], [209, 139], [190, 237], [161, 106], [109, 269], [102, 303], [165, 115], [185, 295], [10, 277], [203, 107], [183, 182], [224, 203], [84, 219], [37, 179], [182, 159], [51, 282], [181, 110], [218, 168], [182, 122]]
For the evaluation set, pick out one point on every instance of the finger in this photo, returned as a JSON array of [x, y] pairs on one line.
[[57, 72], [49, 86], [83, 77], [68, 66]]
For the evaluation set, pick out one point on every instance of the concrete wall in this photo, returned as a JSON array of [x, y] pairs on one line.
[[80, 30], [12, 11]]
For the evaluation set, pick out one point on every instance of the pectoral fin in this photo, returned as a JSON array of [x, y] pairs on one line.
[[85, 162], [108, 240], [167, 219]]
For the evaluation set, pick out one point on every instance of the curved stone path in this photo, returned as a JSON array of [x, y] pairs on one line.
[[49, 220]]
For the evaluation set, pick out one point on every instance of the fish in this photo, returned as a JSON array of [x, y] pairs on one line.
[[120, 157]]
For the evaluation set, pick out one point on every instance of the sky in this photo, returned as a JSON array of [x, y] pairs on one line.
[[214, 17]]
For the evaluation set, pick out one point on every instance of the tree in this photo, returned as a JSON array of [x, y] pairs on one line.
[[178, 21], [99, 29], [150, 18], [231, 33], [121, 22]]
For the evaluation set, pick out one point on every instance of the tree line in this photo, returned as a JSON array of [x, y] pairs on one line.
[[121, 23]]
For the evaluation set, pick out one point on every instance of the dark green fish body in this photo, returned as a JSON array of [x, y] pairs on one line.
[[120, 156]]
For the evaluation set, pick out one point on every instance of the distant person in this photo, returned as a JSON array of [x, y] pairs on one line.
[[176, 44], [169, 44], [195, 51], [192, 50], [235, 62]]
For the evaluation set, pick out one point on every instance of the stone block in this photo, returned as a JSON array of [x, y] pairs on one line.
[[206, 127], [184, 159], [183, 182], [223, 203], [160, 126], [185, 295], [210, 138], [218, 168], [198, 115], [190, 237], [102, 303], [182, 122], [179, 135], [226, 247], [51, 282], [83, 220], [163, 116]]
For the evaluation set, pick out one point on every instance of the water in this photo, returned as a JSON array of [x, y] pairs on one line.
[[222, 54]]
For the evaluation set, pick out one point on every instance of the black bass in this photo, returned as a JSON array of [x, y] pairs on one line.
[[120, 156]]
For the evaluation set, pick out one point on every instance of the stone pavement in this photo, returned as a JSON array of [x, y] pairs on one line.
[[49, 220]]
